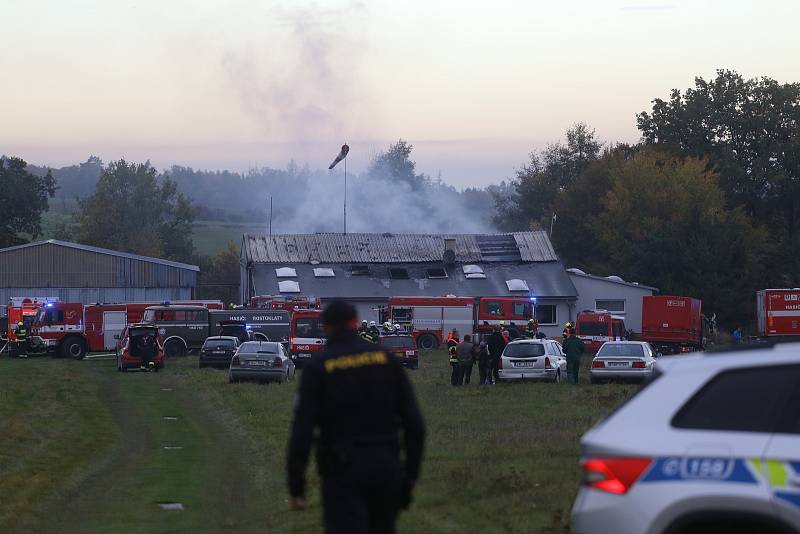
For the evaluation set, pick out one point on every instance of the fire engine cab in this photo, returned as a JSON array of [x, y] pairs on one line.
[[23, 309], [429, 319], [306, 336], [280, 302], [595, 327]]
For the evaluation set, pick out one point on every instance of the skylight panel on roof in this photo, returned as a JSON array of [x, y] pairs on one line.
[[516, 284], [475, 276], [323, 272], [285, 272], [472, 269], [359, 270], [288, 286]]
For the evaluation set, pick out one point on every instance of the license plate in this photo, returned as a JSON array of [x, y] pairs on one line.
[[257, 362], [304, 355], [219, 352], [618, 364], [524, 364]]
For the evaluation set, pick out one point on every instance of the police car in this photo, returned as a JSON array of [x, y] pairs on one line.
[[711, 444]]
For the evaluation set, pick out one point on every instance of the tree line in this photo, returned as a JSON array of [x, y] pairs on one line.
[[707, 204]]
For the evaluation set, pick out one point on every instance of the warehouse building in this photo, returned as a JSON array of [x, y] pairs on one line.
[[81, 273], [367, 269], [611, 293]]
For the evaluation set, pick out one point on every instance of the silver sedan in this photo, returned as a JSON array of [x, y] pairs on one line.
[[262, 361], [623, 360]]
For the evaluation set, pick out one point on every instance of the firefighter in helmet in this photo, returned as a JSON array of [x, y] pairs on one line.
[[363, 328], [22, 340], [568, 329], [373, 331], [532, 328]]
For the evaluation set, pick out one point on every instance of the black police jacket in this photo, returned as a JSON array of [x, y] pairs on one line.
[[356, 395]]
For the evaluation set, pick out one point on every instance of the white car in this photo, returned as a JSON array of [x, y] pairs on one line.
[[711, 444], [623, 360], [533, 359]]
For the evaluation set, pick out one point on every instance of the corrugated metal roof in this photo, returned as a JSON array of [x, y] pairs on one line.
[[387, 248], [105, 251]]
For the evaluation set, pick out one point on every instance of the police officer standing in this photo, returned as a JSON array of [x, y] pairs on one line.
[[359, 398]]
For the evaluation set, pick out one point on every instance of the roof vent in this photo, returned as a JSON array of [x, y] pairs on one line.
[[615, 278], [575, 270]]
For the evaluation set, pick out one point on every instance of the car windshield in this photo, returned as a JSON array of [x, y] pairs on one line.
[[592, 328], [621, 349], [398, 342], [524, 350], [218, 344]]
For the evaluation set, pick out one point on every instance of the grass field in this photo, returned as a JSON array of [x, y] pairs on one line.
[[498, 458]]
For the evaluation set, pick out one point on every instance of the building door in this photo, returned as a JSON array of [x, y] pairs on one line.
[[113, 324]]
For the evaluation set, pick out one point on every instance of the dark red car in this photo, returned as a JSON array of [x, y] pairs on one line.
[[140, 345], [403, 347]]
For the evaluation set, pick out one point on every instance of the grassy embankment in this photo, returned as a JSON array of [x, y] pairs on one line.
[[499, 458]]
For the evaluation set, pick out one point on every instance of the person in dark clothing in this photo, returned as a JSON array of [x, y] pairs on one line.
[[360, 399], [496, 343], [22, 340], [513, 331], [573, 349], [452, 342], [466, 358], [484, 363]]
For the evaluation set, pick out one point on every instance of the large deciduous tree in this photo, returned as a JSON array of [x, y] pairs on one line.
[[132, 210], [749, 129], [662, 220], [23, 199], [547, 174]]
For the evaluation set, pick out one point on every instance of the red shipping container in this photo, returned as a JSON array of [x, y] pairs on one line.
[[778, 312], [670, 319]]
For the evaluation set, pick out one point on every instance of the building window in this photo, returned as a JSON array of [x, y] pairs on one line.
[[359, 270], [285, 272], [546, 314], [288, 286], [398, 273], [323, 272], [436, 272], [616, 306]]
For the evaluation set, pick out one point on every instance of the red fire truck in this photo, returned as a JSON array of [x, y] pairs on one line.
[[71, 329], [429, 319], [595, 327], [23, 309], [280, 302], [306, 335], [778, 312], [673, 324]]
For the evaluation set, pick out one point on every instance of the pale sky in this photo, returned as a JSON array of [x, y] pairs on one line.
[[474, 86]]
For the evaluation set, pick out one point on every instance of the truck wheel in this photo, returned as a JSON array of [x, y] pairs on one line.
[[428, 342], [174, 348], [73, 347]]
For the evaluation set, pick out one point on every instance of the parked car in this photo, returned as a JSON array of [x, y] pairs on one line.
[[533, 359], [217, 351], [263, 361], [710, 444], [403, 347], [140, 346], [623, 360]]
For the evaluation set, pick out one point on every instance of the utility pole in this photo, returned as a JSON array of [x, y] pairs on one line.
[[345, 196], [270, 216]]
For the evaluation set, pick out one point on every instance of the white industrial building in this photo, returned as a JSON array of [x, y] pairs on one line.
[[611, 293]]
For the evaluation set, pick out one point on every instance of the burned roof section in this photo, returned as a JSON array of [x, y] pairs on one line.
[[397, 248]]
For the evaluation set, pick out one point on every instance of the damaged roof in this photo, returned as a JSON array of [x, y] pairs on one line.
[[397, 248]]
